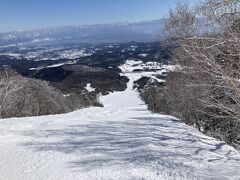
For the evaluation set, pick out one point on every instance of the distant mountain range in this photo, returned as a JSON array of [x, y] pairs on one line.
[[145, 31]]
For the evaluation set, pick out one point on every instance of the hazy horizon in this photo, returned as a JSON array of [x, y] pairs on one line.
[[31, 15], [76, 25]]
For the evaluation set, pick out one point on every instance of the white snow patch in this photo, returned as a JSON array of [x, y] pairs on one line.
[[143, 55], [11, 54], [73, 54], [67, 95], [131, 65], [89, 88], [172, 67], [133, 48], [54, 65], [61, 64], [149, 69], [42, 40]]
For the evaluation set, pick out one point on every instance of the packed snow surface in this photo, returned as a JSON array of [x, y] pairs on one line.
[[123, 141]]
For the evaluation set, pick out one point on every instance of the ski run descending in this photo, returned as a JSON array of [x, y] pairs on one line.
[[121, 141]]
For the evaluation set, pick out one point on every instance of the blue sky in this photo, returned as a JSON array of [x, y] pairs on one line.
[[34, 14]]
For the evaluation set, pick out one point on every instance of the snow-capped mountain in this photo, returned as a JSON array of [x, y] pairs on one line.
[[144, 31]]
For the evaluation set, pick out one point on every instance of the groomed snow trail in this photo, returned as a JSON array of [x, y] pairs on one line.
[[123, 140]]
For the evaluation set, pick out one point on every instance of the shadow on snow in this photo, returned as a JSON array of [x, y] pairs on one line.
[[140, 140]]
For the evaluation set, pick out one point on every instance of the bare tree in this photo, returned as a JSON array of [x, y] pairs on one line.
[[206, 92], [21, 96]]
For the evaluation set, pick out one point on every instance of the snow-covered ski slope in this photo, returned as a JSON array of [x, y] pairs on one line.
[[122, 141]]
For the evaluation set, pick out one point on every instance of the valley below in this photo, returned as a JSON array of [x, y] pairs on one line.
[[122, 140], [116, 138]]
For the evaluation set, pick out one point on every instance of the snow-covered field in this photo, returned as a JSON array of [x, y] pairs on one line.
[[123, 140]]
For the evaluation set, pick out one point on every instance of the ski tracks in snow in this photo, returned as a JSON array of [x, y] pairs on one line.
[[123, 140]]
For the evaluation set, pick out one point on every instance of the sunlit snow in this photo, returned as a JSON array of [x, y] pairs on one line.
[[123, 140]]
